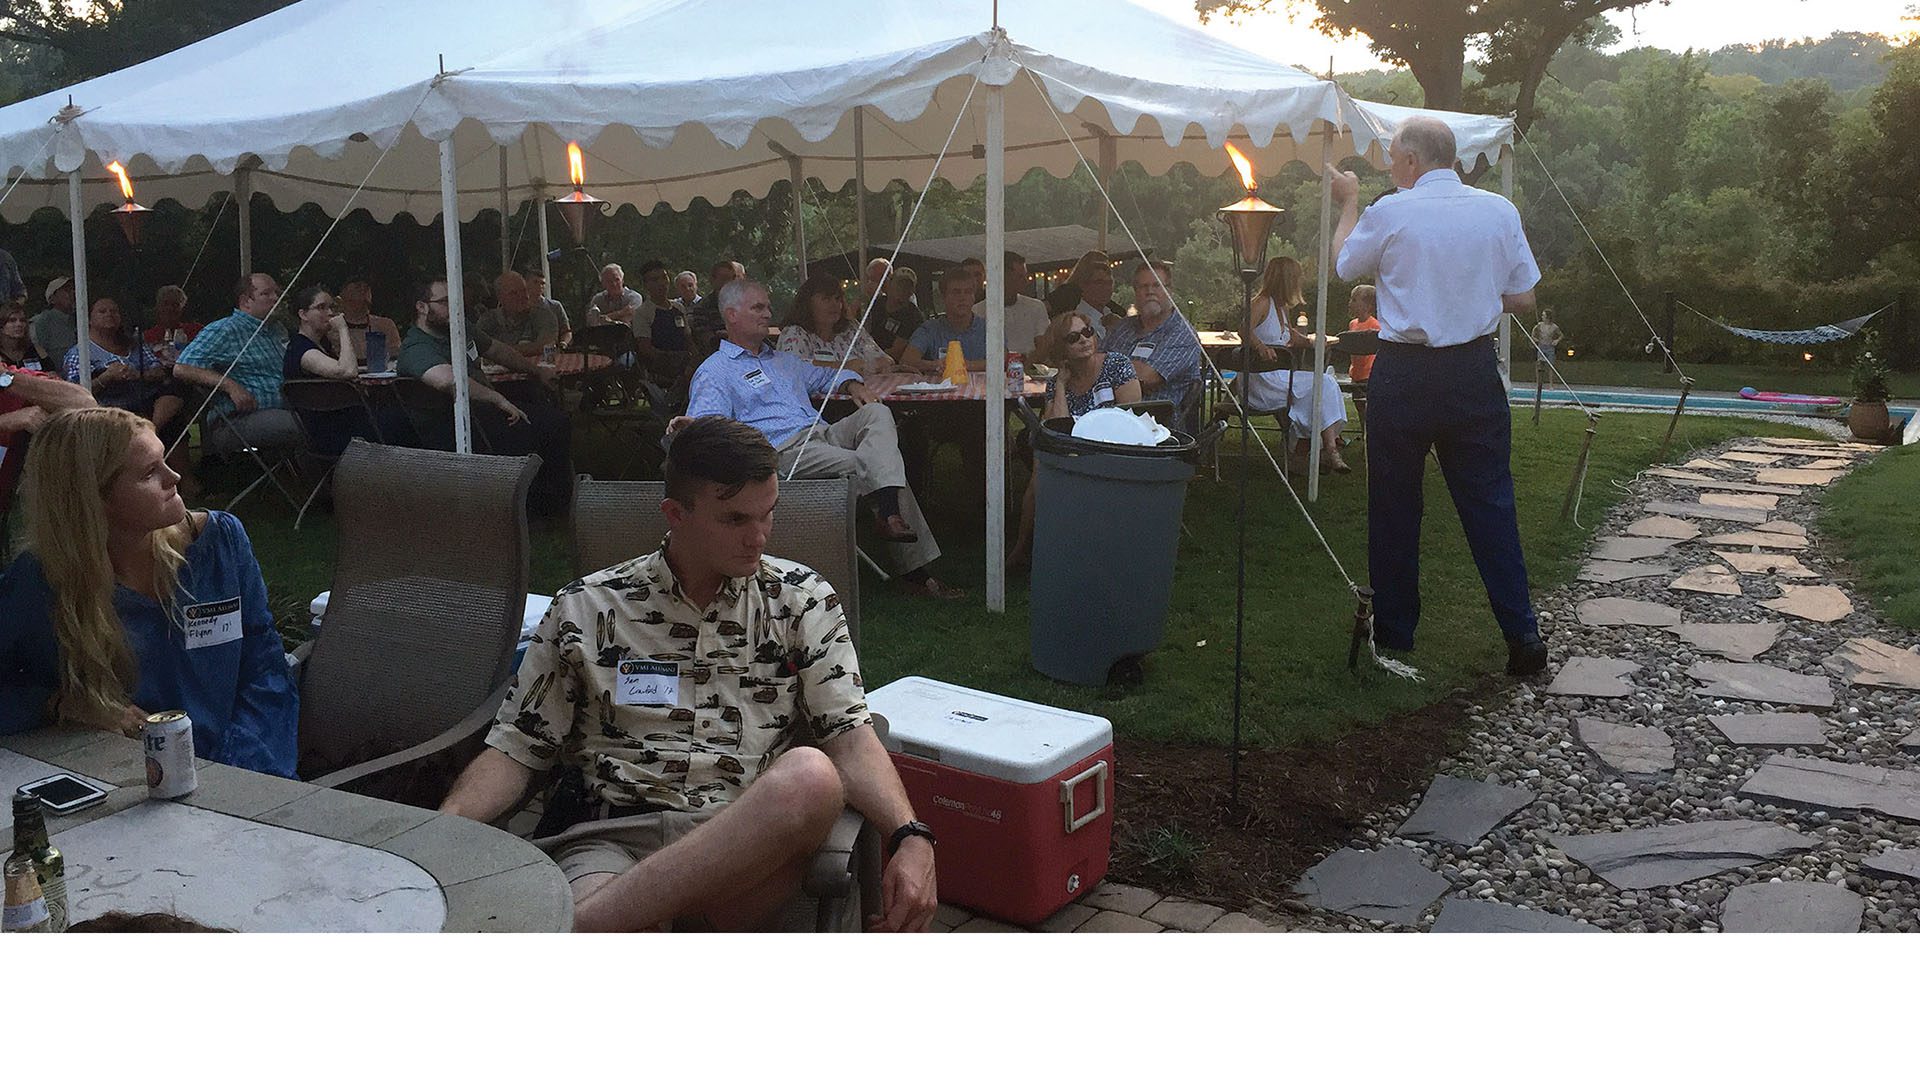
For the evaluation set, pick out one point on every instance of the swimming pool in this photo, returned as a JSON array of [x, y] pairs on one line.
[[1663, 401]]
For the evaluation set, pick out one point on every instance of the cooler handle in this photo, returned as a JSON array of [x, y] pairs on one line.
[[1099, 769]]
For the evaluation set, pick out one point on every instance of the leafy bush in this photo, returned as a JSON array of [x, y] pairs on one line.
[[1869, 380]]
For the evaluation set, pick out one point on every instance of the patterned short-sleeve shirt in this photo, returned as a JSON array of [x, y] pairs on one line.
[[1115, 372], [664, 705]]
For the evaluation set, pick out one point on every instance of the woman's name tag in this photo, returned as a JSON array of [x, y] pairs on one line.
[[648, 682], [1103, 395], [213, 624]]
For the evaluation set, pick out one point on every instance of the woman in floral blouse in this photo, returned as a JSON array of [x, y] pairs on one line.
[[819, 328]]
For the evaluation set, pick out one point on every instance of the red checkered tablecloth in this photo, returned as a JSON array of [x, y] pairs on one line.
[[887, 386]]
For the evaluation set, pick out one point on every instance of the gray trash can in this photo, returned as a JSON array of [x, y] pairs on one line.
[[1105, 536]]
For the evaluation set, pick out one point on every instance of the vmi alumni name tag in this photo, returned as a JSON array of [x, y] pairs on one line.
[[648, 682], [213, 624]]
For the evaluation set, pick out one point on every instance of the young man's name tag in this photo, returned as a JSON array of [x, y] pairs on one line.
[[1102, 395], [1143, 351], [648, 682], [213, 624], [757, 379]]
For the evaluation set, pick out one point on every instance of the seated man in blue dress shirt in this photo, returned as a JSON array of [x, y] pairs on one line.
[[750, 381], [1161, 343]]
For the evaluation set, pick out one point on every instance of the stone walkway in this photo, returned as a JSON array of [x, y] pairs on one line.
[[1725, 743]]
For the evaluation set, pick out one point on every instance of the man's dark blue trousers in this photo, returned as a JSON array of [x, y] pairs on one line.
[[1451, 400]]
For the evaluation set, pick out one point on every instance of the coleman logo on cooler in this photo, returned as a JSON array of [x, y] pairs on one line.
[[966, 717]]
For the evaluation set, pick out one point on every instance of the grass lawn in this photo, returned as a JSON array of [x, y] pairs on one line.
[[1874, 516], [1788, 378], [1299, 612]]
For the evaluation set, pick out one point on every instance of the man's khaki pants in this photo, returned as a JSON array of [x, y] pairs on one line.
[[865, 447]]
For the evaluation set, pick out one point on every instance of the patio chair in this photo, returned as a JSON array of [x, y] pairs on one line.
[[431, 414], [309, 397], [613, 521], [398, 689]]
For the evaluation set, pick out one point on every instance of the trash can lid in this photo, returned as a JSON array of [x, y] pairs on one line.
[[1004, 738]]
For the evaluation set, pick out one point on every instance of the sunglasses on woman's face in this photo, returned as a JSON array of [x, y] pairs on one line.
[[1084, 332]]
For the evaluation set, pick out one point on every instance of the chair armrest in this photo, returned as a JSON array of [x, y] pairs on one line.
[[831, 872], [475, 722], [297, 663]]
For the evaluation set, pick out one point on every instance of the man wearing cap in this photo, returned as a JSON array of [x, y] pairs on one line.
[[53, 331], [1449, 261]]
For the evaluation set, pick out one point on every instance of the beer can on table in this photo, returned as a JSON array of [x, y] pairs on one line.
[[168, 738]]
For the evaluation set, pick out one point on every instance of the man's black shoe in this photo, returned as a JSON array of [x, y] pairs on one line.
[[1525, 657]]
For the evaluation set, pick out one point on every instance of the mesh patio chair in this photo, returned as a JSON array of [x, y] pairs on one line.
[[412, 661], [613, 521]]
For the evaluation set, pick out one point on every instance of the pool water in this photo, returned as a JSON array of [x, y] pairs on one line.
[[1664, 401]]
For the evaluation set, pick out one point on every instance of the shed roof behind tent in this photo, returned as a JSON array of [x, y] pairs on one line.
[[1045, 248], [673, 99]]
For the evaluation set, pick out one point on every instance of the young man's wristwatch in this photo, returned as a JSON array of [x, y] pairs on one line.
[[911, 828]]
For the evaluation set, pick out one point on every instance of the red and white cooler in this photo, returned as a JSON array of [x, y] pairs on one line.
[[1020, 795]]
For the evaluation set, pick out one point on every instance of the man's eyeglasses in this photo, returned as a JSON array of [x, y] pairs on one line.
[[437, 300], [1084, 332]]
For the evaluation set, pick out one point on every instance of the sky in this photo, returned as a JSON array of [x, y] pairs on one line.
[[1700, 24]]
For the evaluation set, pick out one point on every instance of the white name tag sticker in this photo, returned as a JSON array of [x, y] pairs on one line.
[[1102, 395], [648, 682], [213, 624], [758, 379], [1143, 351], [473, 352]]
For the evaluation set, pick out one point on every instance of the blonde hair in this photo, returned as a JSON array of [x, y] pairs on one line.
[[76, 458], [1365, 294]]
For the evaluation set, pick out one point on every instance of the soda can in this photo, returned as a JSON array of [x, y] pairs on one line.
[[168, 738], [1016, 369]]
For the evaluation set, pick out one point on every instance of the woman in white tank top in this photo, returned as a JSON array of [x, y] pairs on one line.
[[1266, 391]]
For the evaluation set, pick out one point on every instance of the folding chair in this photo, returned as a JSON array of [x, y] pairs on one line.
[[221, 437], [324, 397]]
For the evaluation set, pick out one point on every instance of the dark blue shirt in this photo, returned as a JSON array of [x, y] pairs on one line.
[[669, 329], [244, 706]]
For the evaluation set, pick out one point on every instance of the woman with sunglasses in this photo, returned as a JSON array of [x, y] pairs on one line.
[[1088, 379]]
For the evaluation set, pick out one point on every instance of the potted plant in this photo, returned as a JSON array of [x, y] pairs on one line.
[[1868, 419]]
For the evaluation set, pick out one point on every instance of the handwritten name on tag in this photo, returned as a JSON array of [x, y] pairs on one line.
[[648, 682], [217, 623]]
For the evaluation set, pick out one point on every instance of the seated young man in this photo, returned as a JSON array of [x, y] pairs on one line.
[[715, 717]]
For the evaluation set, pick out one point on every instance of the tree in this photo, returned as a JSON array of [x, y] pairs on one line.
[[1432, 37], [94, 37]]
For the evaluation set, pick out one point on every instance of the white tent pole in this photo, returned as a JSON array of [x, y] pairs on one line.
[[456, 301], [996, 372], [77, 216], [1506, 325], [243, 201], [1320, 314], [798, 178], [506, 211], [540, 216], [860, 185]]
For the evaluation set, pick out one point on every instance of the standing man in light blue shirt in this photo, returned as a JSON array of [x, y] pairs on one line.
[[1449, 262], [747, 380]]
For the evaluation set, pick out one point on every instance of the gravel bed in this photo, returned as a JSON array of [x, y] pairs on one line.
[[1524, 737]]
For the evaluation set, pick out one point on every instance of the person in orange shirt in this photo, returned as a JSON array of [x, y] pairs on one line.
[[1360, 304]]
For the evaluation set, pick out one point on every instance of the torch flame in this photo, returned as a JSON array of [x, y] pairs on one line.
[[576, 167], [1245, 167], [126, 184]]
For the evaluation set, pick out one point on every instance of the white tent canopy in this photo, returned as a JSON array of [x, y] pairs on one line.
[[672, 99], [676, 99]]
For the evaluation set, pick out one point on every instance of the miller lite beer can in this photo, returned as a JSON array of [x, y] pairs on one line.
[[168, 738]]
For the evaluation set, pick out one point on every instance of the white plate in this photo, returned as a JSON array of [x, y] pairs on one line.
[[379, 374], [924, 388]]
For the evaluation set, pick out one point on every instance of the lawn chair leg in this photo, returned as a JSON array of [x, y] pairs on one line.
[[871, 565], [302, 515]]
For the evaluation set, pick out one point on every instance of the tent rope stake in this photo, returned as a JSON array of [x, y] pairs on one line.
[[1686, 387], [1570, 506]]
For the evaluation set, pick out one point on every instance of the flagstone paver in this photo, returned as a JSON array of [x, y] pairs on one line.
[[1735, 641], [1127, 899], [1593, 676], [1392, 884], [1739, 499], [1234, 922], [1604, 572], [1747, 457], [1629, 548], [1711, 578], [1618, 611], [1816, 603], [1836, 785], [1893, 864], [1670, 528], [1460, 812], [1662, 855], [1772, 729], [1797, 476], [1460, 916], [1721, 484], [1871, 662], [1709, 464], [1761, 562], [1633, 749], [1701, 510], [1762, 682], [1792, 907], [1758, 538], [1785, 528]]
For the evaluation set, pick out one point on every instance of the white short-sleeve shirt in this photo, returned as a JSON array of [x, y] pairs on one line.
[[1442, 255]]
